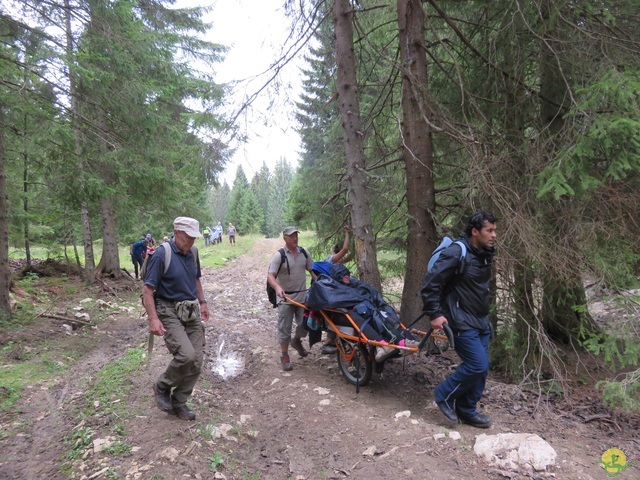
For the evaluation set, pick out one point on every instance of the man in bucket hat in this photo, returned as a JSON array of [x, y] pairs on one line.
[[174, 300], [288, 276]]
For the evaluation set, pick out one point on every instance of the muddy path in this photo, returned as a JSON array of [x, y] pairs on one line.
[[255, 421]]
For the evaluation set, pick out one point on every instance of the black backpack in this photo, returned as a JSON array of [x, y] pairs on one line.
[[271, 292]]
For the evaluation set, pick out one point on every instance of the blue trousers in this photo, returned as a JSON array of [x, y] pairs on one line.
[[463, 389]]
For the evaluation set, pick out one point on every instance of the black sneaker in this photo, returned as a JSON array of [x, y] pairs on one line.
[[448, 412], [184, 413], [478, 420], [163, 398]]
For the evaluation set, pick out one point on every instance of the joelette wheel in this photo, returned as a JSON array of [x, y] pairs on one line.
[[354, 361]]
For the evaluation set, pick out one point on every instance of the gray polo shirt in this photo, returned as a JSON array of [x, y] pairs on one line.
[[293, 278]]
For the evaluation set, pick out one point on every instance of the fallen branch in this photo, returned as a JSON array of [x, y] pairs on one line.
[[66, 319], [602, 416]]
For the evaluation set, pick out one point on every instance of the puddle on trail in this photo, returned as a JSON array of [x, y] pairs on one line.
[[227, 363]]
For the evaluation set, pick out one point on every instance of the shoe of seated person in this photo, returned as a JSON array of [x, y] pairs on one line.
[[328, 349], [410, 344], [382, 353]]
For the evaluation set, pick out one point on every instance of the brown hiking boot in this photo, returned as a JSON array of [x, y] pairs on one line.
[[296, 344], [286, 363]]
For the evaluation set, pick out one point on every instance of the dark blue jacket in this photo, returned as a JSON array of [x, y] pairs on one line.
[[463, 298], [137, 249]]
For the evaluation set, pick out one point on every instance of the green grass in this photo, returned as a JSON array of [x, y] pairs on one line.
[[216, 461], [222, 253], [35, 250], [118, 449], [111, 384], [24, 367], [106, 395], [80, 440], [391, 263]]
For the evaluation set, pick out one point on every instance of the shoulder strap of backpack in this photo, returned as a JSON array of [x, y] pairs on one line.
[[167, 255], [463, 256], [283, 258], [196, 258]]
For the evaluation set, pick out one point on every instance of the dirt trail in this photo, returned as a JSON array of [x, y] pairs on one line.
[[267, 424]]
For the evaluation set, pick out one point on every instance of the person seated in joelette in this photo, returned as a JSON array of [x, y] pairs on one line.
[[340, 273]]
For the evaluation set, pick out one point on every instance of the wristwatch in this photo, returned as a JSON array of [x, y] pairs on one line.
[[202, 301]]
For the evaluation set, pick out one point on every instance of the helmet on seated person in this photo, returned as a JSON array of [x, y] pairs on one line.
[[338, 272]]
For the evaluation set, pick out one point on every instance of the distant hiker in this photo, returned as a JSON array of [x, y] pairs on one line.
[[136, 251], [150, 240], [288, 275], [205, 234], [217, 233], [456, 291], [231, 231], [175, 303]]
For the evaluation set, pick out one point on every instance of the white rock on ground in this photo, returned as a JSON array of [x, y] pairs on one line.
[[513, 450]]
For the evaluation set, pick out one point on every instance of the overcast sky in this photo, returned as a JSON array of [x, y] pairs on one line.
[[255, 31]]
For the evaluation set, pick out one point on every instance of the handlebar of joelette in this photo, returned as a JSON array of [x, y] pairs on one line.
[[447, 331]]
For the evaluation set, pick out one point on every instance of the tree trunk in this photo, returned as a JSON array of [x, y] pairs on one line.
[[89, 260], [5, 274], [25, 205], [564, 311], [356, 178], [564, 303], [418, 154], [110, 261]]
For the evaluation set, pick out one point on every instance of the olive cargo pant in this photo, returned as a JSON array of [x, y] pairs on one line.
[[185, 341]]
